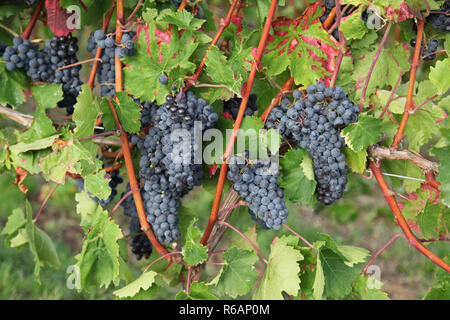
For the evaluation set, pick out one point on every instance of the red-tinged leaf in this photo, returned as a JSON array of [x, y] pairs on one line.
[[21, 174], [399, 14], [57, 18], [212, 170], [303, 46]]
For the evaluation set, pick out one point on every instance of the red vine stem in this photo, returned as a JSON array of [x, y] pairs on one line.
[[134, 185], [37, 11], [372, 67], [98, 53], [276, 101], [182, 5], [102, 134], [299, 236], [237, 124], [380, 251], [126, 195], [412, 78], [162, 257], [425, 102], [412, 239], [330, 19], [45, 202], [342, 44], [188, 280], [223, 25], [247, 239]]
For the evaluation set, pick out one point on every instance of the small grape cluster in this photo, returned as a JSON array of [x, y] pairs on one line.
[[232, 106], [329, 5], [256, 182], [314, 121], [427, 54], [42, 65], [106, 70], [116, 179], [166, 163], [140, 245], [441, 21]]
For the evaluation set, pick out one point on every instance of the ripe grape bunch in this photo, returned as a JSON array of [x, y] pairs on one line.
[[256, 182], [232, 106], [140, 245], [106, 70], [428, 54], [42, 65], [441, 21], [167, 158], [314, 121]]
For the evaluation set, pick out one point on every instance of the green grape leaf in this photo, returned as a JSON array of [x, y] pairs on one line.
[[99, 257], [356, 160], [444, 173], [128, 112], [15, 222], [35, 145], [353, 26], [366, 132], [47, 96], [193, 252], [297, 176], [144, 282], [85, 114], [12, 85], [281, 273], [368, 288], [440, 292], [429, 220], [182, 19], [97, 185], [238, 275], [198, 291], [439, 76]]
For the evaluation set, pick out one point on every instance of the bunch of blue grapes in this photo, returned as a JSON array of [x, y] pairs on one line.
[[116, 180], [314, 121], [441, 21], [427, 53], [232, 106], [167, 157], [140, 245], [106, 70], [42, 65], [256, 182]]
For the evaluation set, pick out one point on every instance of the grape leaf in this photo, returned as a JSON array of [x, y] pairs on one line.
[[444, 173], [99, 257], [297, 176], [15, 222], [198, 291], [193, 252], [57, 18], [35, 145], [97, 185], [366, 290], [303, 46], [85, 114], [353, 26], [356, 160], [439, 76], [281, 273], [366, 132], [144, 282], [182, 19], [158, 53], [238, 275], [440, 292], [12, 84], [47, 96], [128, 112], [429, 220]]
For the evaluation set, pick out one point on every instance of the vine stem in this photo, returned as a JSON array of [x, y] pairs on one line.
[[182, 5], [168, 254], [126, 195], [372, 66], [37, 11], [342, 44], [103, 134], [45, 202], [380, 251], [246, 238], [328, 22], [425, 102], [134, 185], [277, 99], [412, 78], [79, 63], [98, 53], [299, 236], [223, 25], [412, 239], [188, 280], [248, 88]]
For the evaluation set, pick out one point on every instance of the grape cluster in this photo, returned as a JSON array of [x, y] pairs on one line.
[[167, 164], [116, 179], [256, 182], [329, 5], [42, 65], [428, 53], [2, 48], [106, 70], [232, 106], [314, 121], [441, 21], [140, 245]]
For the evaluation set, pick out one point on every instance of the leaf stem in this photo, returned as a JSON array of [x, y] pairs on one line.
[[45, 202], [380, 251], [299, 236], [37, 11], [277, 99]]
